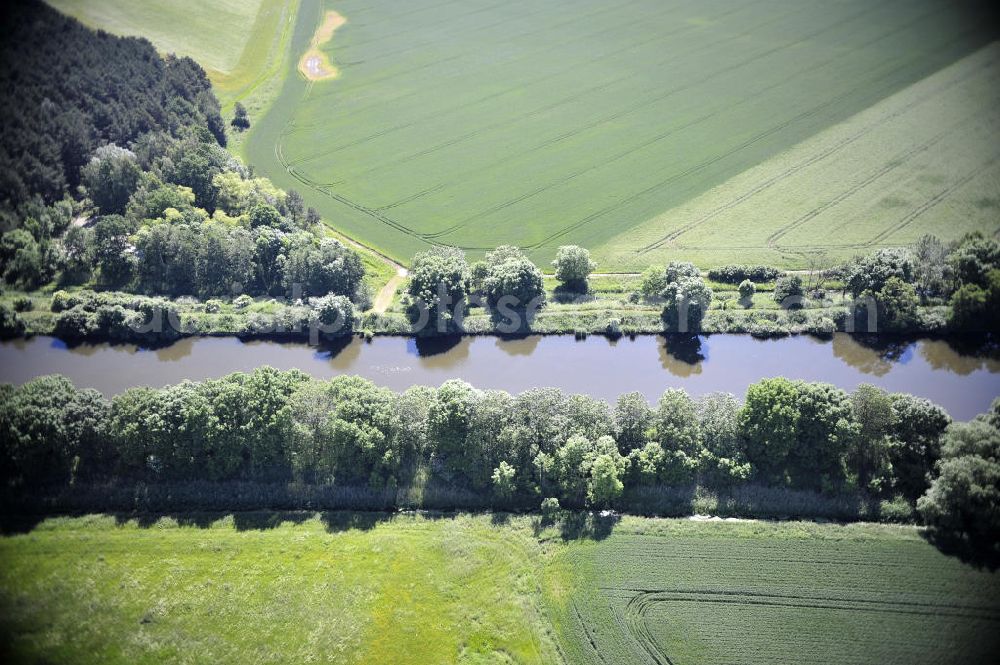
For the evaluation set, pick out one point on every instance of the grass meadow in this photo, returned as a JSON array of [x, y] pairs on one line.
[[273, 589], [373, 588], [624, 126]]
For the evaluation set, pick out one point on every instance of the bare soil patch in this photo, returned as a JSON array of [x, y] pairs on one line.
[[314, 64]]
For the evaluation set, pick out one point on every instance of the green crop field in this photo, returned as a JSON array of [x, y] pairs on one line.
[[622, 126], [924, 160], [366, 588], [673, 592]]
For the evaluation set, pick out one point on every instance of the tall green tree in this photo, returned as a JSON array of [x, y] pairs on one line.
[[573, 266], [915, 445], [633, 420], [872, 410], [512, 276], [960, 508], [769, 422], [439, 286], [113, 250], [111, 177]]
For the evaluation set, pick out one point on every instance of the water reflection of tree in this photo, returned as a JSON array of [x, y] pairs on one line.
[[87, 349], [962, 355], [681, 355], [443, 349], [870, 354], [79, 348], [518, 345], [179, 350], [342, 352]]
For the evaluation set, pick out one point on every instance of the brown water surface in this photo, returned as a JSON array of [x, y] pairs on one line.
[[963, 377]]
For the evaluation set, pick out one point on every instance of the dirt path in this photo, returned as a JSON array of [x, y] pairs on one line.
[[385, 294]]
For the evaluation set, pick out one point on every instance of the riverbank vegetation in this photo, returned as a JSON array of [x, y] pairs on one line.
[[928, 288], [280, 439], [931, 287]]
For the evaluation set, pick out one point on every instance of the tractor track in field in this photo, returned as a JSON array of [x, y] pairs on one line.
[[590, 637], [694, 169], [605, 119], [436, 238], [770, 182], [360, 141], [507, 122], [432, 237], [641, 601], [892, 165], [586, 220], [501, 93], [649, 142], [935, 200]]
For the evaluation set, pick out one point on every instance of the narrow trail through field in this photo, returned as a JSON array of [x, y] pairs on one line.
[[386, 293]]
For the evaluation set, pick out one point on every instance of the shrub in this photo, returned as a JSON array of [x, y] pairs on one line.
[[240, 119], [113, 320], [788, 292], [764, 328], [75, 323], [747, 290], [23, 304], [734, 274], [242, 302], [334, 315], [976, 308], [653, 283], [573, 265], [213, 306], [60, 301], [823, 326], [871, 272], [550, 507], [898, 511], [614, 328], [10, 323]]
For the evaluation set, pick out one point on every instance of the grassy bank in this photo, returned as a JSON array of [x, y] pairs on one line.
[[416, 588]]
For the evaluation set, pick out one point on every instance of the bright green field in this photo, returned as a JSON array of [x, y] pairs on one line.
[[358, 588], [474, 123], [409, 591]]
